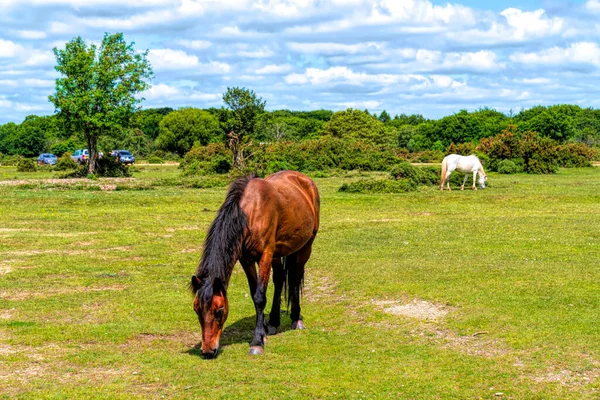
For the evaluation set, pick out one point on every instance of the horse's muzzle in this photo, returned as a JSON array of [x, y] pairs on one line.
[[210, 354]]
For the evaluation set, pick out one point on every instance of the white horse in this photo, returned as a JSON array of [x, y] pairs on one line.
[[465, 164]]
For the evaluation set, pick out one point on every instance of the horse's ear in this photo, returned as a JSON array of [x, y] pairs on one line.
[[219, 287], [195, 283]]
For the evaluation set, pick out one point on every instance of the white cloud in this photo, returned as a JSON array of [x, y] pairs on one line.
[[593, 5], [333, 48], [161, 90], [317, 76], [31, 34], [9, 49], [514, 25], [368, 104], [168, 59], [274, 69], [195, 44], [576, 53]]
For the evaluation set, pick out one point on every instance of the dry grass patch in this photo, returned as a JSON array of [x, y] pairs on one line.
[[418, 309], [27, 294]]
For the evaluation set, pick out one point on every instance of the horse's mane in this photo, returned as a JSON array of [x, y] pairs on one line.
[[223, 243]]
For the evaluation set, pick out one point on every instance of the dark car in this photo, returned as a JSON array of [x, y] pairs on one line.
[[123, 156], [46, 158]]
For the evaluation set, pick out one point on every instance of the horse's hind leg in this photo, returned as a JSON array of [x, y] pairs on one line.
[[474, 177], [278, 279], [295, 280]]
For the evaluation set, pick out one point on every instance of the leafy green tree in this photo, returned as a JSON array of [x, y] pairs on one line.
[[96, 93], [551, 123], [180, 129], [245, 108], [356, 124], [7, 133], [384, 117], [405, 134], [148, 120]]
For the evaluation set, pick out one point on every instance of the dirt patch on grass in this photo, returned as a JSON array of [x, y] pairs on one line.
[[476, 344], [317, 288], [186, 338], [5, 269], [66, 182], [418, 309], [49, 292], [6, 314], [568, 378], [65, 252]]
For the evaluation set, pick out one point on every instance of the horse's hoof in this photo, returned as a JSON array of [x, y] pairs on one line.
[[298, 324], [271, 330], [256, 351]]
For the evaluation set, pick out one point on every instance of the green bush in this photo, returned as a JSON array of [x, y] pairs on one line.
[[507, 167], [155, 160], [106, 167], [25, 165], [428, 175], [65, 162], [379, 186], [575, 155]]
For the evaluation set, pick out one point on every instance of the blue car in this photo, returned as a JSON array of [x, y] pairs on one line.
[[46, 158], [123, 156]]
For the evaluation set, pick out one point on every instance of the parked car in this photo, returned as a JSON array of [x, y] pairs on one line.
[[123, 156], [46, 158], [80, 156]]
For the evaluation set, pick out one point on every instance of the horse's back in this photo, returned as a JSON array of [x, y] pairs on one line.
[[462, 163], [283, 207]]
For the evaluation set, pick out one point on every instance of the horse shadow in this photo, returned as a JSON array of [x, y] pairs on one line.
[[241, 331]]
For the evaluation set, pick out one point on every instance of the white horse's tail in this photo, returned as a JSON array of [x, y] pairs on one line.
[[444, 169]]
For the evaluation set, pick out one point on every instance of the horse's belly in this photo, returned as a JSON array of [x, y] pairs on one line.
[[289, 239]]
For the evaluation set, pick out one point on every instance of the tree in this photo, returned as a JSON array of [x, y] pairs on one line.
[[148, 120], [356, 124], [180, 129], [384, 117], [245, 108], [96, 93]]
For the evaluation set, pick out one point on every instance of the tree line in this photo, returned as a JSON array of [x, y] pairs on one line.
[[175, 132]]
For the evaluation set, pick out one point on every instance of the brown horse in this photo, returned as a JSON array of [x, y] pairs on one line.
[[272, 222]]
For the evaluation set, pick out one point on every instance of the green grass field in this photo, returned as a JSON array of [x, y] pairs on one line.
[[487, 294]]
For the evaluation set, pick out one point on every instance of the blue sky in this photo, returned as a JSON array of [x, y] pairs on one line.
[[404, 56]]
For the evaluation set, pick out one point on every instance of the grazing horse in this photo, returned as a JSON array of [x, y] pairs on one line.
[[465, 164], [272, 222]]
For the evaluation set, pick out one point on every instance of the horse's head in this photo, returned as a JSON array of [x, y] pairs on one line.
[[212, 308], [482, 180]]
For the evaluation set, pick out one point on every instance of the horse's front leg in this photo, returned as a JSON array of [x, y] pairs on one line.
[[474, 179], [464, 181], [257, 346]]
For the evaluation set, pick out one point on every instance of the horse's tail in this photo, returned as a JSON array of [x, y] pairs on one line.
[[224, 241], [444, 169], [293, 273]]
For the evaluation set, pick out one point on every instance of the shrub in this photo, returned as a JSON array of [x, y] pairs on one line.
[[379, 186], [507, 167], [25, 165], [575, 155], [155, 160], [65, 162], [418, 175], [107, 167]]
